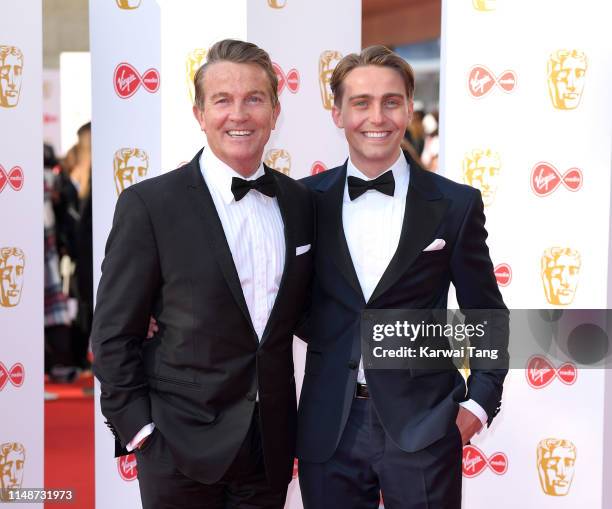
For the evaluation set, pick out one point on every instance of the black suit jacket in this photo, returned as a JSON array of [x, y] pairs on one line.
[[197, 379], [416, 407]]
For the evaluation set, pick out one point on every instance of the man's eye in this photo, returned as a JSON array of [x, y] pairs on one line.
[[221, 101], [391, 103], [254, 99]]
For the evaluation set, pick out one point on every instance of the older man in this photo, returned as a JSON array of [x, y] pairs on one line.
[[219, 251]]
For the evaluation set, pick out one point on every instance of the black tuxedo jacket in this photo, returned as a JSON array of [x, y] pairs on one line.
[[197, 379], [416, 407]]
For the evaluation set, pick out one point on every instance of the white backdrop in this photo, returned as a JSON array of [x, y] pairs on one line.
[[154, 130], [525, 99], [21, 243]]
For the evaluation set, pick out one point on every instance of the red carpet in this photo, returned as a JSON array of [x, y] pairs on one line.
[[69, 441]]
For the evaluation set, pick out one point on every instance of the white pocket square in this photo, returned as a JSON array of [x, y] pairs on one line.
[[436, 245], [300, 250]]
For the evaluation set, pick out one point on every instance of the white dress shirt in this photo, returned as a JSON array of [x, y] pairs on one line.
[[372, 226], [254, 231]]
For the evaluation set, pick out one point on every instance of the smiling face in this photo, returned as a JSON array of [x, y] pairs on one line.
[[238, 114], [374, 113]]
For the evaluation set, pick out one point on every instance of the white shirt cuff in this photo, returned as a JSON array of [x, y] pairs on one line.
[[145, 431], [477, 410]]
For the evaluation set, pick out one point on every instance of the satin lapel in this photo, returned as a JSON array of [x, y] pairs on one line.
[[284, 204], [331, 229], [204, 205], [425, 209]]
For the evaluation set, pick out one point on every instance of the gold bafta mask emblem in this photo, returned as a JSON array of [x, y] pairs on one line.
[[566, 78], [484, 5], [481, 170], [279, 160], [128, 4], [327, 63], [195, 60], [556, 463], [560, 271], [12, 265], [11, 67], [277, 4], [130, 166], [12, 461]]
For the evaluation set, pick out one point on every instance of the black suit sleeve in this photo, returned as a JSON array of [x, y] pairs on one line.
[[129, 283], [473, 276]]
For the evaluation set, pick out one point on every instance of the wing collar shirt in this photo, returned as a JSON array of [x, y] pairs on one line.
[[254, 231], [372, 225]]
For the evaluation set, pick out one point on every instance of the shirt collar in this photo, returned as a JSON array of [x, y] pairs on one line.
[[400, 169], [218, 175]]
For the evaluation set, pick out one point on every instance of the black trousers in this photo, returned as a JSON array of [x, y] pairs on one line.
[[244, 485], [367, 463]]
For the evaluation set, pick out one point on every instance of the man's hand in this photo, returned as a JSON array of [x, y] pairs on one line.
[[153, 328], [468, 424]]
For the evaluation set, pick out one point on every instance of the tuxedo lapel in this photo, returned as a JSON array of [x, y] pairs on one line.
[[204, 205], [287, 214], [331, 228], [424, 211]]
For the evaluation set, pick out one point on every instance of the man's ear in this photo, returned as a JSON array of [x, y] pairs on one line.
[[199, 116], [337, 116]]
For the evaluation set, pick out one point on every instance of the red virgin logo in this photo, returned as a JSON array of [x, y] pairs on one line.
[[15, 375], [475, 462], [503, 274], [317, 167], [540, 372], [13, 178], [127, 467], [127, 80], [545, 179], [291, 80], [481, 81]]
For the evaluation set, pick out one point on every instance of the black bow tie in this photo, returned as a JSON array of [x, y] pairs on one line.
[[264, 184], [384, 183]]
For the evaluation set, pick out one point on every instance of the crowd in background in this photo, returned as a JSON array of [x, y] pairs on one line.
[[421, 139], [68, 259]]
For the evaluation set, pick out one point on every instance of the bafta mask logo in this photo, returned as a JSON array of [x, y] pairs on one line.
[[475, 462], [545, 179], [128, 4], [291, 79], [277, 4], [15, 375], [12, 265], [195, 60], [11, 68], [540, 372], [317, 167], [481, 81], [130, 166], [566, 78], [503, 274], [327, 63], [127, 80], [560, 272], [484, 5], [279, 160], [556, 463], [13, 178], [481, 169], [126, 465], [12, 462]]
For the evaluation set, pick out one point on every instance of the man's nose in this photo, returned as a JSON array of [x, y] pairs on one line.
[[238, 112], [376, 114]]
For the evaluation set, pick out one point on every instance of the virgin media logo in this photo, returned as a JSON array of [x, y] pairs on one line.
[[545, 179], [317, 167], [475, 462], [127, 467], [503, 274], [481, 81], [540, 372], [15, 375], [127, 80], [291, 80], [13, 178]]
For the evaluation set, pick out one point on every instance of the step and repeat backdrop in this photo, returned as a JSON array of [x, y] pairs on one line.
[[144, 54], [525, 118], [21, 246]]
